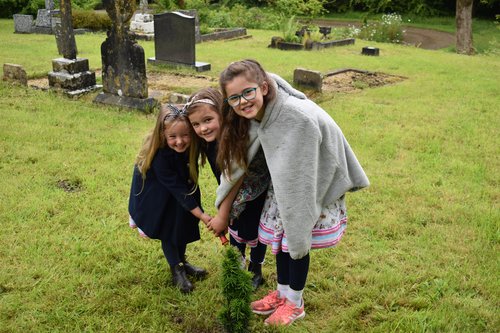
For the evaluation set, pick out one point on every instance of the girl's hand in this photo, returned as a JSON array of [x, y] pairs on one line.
[[217, 224], [206, 218]]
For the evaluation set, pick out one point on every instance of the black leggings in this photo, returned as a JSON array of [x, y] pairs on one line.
[[292, 272], [257, 253], [174, 254]]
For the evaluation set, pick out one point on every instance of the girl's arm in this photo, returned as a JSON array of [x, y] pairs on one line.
[[220, 221], [201, 215]]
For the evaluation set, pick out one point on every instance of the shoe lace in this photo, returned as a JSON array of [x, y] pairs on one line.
[[272, 298]]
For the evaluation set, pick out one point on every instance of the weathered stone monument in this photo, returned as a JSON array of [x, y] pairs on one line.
[[43, 23], [15, 74], [69, 73], [142, 23], [23, 24], [123, 62], [175, 41]]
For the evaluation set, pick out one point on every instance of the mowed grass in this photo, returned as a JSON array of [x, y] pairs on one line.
[[420, 253]]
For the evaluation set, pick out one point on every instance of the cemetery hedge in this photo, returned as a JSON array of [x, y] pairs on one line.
[[482, 8]]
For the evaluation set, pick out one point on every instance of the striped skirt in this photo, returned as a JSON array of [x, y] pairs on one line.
[[327, 231]]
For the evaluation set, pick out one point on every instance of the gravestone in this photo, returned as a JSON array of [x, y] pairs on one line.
[[370, 51], [308, 79], [69, 73], [43, 22], [193, 13], [49, 4], [123, 62], [143, 24], [175, 42], [23, 23], [15, 74]]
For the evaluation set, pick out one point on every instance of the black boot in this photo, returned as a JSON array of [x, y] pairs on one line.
[[257, 278], [180, 279], [196, 272]]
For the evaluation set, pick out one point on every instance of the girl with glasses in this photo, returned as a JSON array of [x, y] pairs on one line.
[[164, 201], [311, 166], [243, 208]]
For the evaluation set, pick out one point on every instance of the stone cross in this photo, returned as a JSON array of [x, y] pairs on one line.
[[49, 4], [65, 36], [144, 6]]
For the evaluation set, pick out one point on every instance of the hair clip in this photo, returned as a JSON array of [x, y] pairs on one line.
[[175, 112]]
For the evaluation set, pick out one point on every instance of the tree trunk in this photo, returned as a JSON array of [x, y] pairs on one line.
[[463, 20]]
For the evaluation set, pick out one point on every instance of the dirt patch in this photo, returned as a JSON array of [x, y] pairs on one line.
[[162, 85], [352, 81]]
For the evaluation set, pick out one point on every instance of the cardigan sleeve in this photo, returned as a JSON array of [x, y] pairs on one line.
[[168, 172]]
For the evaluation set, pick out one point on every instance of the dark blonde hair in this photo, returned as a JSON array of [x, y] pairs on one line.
[[156, 138], [234, 131], [197, 149]]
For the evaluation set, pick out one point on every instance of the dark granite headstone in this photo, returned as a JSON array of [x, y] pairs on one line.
[[370, 50], [175, 41], [123, 62]]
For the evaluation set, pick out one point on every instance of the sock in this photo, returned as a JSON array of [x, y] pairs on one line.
[[295, 296], [283, 290]]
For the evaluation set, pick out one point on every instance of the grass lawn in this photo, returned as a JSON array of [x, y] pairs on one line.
[[421, 252]]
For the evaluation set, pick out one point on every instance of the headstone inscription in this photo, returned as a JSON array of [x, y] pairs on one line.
[[123, 62], [175, 41]]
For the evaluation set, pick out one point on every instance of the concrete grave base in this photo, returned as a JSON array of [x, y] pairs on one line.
[[199, 66], [64, 80], [144, 104]]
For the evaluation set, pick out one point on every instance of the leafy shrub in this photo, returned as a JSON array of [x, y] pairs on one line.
[[310, 8], [387, 30], [33, 6], [90, 20], [11, 7], [289, 27]]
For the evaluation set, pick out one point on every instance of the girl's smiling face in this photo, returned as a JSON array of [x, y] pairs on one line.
[[250, 108], [178, 136], [206, 122]]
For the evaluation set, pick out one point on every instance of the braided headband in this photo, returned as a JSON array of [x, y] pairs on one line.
[[176, 112]]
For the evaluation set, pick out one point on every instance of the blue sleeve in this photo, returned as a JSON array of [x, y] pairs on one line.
[[167, 173]]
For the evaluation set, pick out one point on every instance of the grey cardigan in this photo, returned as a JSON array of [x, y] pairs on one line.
[[310, 162]]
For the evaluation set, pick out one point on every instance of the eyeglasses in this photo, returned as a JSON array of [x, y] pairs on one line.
[[248, 94]]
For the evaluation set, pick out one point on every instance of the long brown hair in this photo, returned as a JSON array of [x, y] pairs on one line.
[[203, 96], [234, 131]]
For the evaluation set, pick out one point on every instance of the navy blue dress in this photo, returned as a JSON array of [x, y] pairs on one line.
[[161, 204]]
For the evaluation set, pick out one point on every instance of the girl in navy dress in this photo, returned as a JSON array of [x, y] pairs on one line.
[[243, 206], [164, 201]]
